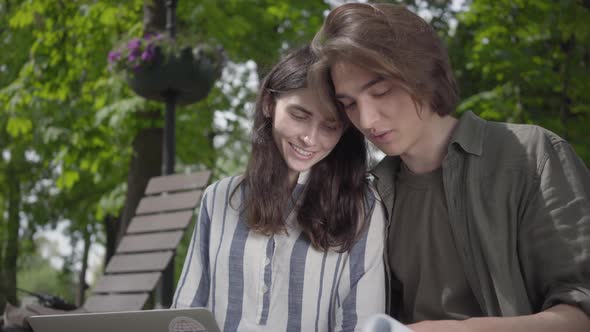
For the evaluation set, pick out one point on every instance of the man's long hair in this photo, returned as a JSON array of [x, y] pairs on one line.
[[390, 41]]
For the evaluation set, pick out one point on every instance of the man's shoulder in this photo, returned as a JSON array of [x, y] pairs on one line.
[[516, 146], [525, 134], [476, 134]]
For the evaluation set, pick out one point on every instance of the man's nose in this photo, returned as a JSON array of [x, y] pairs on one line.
[[368, 115]]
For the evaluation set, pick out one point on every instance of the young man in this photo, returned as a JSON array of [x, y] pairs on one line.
[[489, 223]]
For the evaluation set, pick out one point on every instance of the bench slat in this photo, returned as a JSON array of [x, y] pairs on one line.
[[155, 261], [160, 222], [170, 202], [116, 302], [177, 182], [150, 242], [130, 282]]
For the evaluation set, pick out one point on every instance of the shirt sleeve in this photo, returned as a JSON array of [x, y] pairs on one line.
[[365, 294], [194, 283], [554, 235]]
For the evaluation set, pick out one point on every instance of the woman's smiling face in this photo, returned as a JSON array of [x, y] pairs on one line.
[[303, 133]]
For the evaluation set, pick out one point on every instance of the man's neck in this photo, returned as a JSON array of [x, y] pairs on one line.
[[429, 152]]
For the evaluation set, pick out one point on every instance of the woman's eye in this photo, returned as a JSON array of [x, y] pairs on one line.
[[331, 127], [297, 116]]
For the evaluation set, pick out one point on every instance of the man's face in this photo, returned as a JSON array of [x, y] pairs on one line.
[[381, 108]]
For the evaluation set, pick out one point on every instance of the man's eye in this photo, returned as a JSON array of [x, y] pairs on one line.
[[381, 92], [349, 107]]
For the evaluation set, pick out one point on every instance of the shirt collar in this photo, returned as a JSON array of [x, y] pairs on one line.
[[469, 133], [303, 177]]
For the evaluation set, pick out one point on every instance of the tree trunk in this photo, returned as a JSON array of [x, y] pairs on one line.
[[154, 16], [145, 163], [3, 237], [147, 145], [565, 113], [9, 265], [2, 294], [111, 224], [82, 285]]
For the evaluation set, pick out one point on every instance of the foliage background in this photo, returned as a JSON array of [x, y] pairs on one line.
[[67, 125]]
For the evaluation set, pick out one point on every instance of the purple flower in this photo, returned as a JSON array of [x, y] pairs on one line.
[[114, 56], [134, 44], [132, 57], [149, 53], [136, 52], [146, 55]]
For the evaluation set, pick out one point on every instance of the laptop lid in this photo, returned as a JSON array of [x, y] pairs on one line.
[[157, 320]]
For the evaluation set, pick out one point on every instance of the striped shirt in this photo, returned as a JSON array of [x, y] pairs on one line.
[[253, 282]]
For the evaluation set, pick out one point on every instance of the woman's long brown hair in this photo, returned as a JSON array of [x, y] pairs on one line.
[[332, 211]]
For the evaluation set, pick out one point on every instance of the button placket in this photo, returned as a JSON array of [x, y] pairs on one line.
[[264, 285]]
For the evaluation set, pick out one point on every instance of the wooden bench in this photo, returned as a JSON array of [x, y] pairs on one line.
[[148, 246]]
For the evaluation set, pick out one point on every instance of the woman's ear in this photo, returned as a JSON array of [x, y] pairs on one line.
[[268, 105]]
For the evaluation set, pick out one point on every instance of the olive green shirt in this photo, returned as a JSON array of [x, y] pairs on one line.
[[422, 252], [519, 210]]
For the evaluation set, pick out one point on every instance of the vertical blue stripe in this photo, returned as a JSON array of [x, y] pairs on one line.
[[357, 270], [270, 247], [203, 219], [226, 203], [202, 296], [236, 274], [370, 200], [297, 191], [331, 309], [318, 311], [337, 295], [296, 280]]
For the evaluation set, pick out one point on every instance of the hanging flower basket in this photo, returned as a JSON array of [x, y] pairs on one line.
[[157, 67]]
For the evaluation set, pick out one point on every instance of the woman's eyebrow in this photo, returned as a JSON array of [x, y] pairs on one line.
[[300, 108]]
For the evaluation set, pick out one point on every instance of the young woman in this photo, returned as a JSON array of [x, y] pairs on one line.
[[295, 244]]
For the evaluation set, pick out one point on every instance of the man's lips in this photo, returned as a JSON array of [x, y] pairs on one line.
[[380, 136]]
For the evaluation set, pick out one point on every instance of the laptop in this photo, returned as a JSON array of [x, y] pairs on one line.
[[157, 320]]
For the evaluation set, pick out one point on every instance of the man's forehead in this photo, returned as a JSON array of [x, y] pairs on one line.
[[348, 76]]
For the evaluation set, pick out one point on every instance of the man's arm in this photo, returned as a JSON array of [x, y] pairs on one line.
[[561, 317]]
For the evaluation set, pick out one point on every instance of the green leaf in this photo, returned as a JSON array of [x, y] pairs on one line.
[[17, 126], [68, 179]]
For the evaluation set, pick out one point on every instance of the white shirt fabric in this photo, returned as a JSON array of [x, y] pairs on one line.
[[253, 282]]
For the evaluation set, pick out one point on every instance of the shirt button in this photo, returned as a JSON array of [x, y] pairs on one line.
[[264, 289], [267, 261]]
